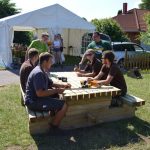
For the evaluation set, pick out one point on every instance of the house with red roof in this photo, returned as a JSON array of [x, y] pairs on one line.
[[132, 22]]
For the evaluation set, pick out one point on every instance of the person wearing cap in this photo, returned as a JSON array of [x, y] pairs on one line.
[[98, 46], [92, 67], [40, 44], [114, 75]]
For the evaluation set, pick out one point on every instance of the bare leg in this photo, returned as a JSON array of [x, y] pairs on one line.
[[55, 55], [60, 115], [59, 57]]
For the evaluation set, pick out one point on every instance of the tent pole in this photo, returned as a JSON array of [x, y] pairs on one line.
[[68, 51]]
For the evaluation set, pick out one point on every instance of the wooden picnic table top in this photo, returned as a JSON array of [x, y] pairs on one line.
[[76, 88]]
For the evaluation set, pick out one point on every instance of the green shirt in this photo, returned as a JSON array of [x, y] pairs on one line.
[[100, 46], [39, 45]]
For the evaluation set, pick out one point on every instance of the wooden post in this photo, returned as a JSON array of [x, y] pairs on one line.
[[126, 59], [68, 44]]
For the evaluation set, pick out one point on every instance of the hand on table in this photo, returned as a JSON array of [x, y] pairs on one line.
[[67, 85], [90, 79], [79, 74], [76, 69], [60, 90]]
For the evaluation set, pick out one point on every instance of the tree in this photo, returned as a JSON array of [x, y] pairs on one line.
[[7, 8], [84, 18], [23, 37], [119, 12], [145, 4], [145, 36], [111, 28]]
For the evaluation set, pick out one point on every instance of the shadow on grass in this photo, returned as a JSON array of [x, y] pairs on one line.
[[106, 135]]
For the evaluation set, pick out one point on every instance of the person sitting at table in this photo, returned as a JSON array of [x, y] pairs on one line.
[[114, 75], [42, 92], [92, 67], [27, 67]]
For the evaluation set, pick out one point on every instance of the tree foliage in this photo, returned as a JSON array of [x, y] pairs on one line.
[[119, 12], [7, 8], [111, 28], [23, 37], [145, 36], [145, 4]]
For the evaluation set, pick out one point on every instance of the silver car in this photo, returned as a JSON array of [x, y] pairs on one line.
[[119, 51]]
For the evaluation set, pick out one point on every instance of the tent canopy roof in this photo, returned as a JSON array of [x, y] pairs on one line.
[[48, 17]]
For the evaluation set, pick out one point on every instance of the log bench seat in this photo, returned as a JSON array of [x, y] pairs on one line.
[[83, 115]]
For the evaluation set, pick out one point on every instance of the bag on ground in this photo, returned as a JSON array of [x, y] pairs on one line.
[[62, 57]]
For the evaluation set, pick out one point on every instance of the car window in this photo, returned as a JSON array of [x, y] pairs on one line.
[[117, 47], [138, 48], [128, 47]]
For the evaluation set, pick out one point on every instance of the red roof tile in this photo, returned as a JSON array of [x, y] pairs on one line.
[[133, 20]]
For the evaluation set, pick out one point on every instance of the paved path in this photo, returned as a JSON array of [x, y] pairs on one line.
[[12, 76], [8, 77]]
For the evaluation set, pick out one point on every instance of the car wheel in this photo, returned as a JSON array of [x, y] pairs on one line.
[[121, 64]]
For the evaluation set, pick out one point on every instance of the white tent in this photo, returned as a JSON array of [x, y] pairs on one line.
[[54, 19]]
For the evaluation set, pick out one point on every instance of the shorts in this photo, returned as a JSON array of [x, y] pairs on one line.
[[46, 104]]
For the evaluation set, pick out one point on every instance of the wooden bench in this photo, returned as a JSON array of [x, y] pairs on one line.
[[84, 115], [38, 121], [132, 100]]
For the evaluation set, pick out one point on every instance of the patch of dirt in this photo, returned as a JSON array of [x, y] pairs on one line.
[[31, 147], [15, 147], [144, 138]]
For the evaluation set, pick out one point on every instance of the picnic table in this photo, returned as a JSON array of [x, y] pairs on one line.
[[86, 106]]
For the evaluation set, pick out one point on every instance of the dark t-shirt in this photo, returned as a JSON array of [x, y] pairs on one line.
[[37, 80], [25, 70], [95, 66], [118, 78]]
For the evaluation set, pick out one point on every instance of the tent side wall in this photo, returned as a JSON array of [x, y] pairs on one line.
[[5, 45], [73, 37]]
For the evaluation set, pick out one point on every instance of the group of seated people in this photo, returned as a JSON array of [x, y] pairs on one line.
[[42, 94]]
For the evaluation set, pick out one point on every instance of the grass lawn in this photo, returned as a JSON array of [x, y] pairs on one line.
[[71, 60], [131, 134], [2, 68]]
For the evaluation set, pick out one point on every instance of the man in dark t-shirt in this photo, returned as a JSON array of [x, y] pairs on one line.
[[27, 67], [41, 91], [114, 75], [92, 67]]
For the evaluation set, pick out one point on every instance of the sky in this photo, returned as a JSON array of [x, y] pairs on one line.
[[88, 9]]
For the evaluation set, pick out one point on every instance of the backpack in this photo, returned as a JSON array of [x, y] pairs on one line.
[[135, 73]]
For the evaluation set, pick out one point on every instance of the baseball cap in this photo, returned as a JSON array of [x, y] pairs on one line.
[[45, 34]]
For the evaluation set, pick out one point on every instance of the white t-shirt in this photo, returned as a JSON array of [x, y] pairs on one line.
[[57, 44]]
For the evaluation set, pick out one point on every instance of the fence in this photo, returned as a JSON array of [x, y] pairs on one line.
[[142, 61]]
